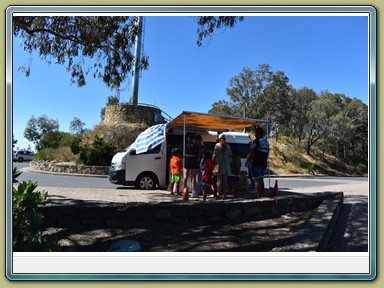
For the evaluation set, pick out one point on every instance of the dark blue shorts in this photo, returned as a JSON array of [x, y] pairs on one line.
[[258, 172]]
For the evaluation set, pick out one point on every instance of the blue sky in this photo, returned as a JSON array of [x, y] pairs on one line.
[[320, 52]]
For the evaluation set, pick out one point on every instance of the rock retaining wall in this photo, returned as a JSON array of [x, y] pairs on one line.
[[67, 167], [104, 216]]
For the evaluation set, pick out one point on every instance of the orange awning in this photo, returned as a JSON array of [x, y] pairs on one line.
[[213, 122]]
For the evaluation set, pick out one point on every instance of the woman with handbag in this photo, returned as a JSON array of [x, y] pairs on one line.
[[222, 159]]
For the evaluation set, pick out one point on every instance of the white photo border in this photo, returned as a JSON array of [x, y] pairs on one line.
[[14, 257]]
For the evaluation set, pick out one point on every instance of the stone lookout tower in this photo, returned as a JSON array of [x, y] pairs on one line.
[[133, 112], [128, 113]]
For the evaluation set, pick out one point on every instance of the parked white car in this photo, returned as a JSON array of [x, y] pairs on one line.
[[21, 155]]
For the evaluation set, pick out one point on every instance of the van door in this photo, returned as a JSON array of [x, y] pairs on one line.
[[146, 169]]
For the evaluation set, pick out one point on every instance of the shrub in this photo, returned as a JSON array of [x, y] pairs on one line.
[[98, 153], [361, 168], [75, 145], [59, 154], [26, 220]]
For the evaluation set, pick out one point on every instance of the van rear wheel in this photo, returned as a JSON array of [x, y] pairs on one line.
[[146, 181]]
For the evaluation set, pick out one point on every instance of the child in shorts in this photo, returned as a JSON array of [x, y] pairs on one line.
[[176, 167], [207, 178]]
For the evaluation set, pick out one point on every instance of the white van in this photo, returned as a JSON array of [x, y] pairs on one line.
[[151, 169]]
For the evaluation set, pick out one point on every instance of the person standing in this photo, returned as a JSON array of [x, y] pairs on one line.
[[222, 157], [258, 158], [176, 167], [201, 147], [207, 176], [191, 164]]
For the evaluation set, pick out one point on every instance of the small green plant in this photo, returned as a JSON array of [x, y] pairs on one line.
[[27, 233]]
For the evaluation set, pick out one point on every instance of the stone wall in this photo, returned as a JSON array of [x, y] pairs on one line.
[[68, 167], [112, 215], [126, 113]]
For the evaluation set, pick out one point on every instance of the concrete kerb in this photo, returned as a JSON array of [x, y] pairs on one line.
[[318, 230]]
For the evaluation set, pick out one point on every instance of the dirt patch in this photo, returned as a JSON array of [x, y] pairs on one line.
[[249, 236]]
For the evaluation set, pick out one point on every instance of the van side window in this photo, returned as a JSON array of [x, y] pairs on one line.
[[154, 150]]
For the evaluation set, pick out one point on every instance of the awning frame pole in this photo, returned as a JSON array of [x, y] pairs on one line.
[[269, 168], [184, 143]]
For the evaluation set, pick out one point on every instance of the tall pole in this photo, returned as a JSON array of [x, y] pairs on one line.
[[136, 69]]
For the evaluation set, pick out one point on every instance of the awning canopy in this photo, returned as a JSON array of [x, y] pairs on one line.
[[213, 121]]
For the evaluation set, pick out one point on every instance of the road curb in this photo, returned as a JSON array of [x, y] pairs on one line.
[[28, 169], [319, 229]]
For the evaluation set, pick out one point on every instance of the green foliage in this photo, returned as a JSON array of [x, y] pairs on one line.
[[75, 145], [15, 173], [42, 127], [98, 153], [51, 140], [26, 220], [244, 92], [107, 41], [63, 154], [76, 126], [208, 24], [361, 168], [328, 123]]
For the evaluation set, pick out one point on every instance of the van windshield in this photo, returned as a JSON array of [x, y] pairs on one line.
[[127, 149]]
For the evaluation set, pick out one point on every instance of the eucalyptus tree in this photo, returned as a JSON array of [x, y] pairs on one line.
[[76, 126], [207, 25], [350, 128], [223, 107], [302, 99], [97, 46], [244, 92], [101, 46], [276, 103], [42, 130], [319, 117]]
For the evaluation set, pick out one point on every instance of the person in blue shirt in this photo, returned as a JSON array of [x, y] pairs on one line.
[[257, 158]]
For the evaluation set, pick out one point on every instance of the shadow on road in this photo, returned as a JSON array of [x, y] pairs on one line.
[[351, 231]]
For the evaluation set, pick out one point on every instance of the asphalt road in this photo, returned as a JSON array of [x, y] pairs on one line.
[[70, 181]]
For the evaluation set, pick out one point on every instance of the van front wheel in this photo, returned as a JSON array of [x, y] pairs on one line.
[[146, 182]]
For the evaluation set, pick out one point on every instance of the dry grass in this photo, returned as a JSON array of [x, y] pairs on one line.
[[289, 156]]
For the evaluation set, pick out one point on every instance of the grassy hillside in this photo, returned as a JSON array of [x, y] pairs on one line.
[[288, 156]]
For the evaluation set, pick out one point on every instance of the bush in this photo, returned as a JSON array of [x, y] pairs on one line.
[[75, 145], [63, 154], [98, 153], [361, 168], [26, 220]]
